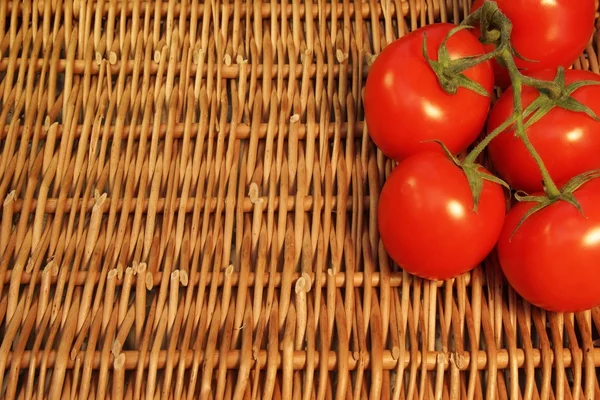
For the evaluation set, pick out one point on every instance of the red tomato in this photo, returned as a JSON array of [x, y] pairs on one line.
[[551, 32], [552, 259], [405, 104], [426, 218], [567, 141]]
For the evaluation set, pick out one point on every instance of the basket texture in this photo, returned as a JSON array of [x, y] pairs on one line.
[[189, 196]]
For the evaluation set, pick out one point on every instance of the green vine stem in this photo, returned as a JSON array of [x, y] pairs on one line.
[[496, 28], [477, 150], [517, 82]]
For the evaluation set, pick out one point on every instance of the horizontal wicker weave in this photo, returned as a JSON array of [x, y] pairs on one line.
[[188, 211]]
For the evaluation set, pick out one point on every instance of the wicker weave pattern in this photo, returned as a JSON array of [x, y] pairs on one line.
[[189, 196]]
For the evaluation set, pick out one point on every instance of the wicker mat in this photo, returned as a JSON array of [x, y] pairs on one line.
[[188, 211]]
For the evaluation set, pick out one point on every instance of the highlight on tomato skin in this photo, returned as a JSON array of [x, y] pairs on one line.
[[426, 219], [552, 261], [547, 33], [568, 142], [405, 105]]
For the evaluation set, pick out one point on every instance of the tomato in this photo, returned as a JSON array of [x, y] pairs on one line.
[[551, 33], [567, 141], [426, 218], [552, 259], [405, 104]]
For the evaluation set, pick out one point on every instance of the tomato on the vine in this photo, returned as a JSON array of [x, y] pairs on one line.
[[405, 104], [552, 259], [427, 220], [549, 33], [568, 142]]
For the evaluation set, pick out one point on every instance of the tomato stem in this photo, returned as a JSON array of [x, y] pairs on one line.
[[496, 28], [490, 15], [459, 66], [553, 89], [517, 82], [473, 154], [536, 110]]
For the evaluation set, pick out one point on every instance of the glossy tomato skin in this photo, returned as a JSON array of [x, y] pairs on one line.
[[553, 33], [568, 142], [552, 261], [426, 218], [405, 104]]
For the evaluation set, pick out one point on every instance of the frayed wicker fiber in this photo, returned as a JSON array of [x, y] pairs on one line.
[[188, 211]]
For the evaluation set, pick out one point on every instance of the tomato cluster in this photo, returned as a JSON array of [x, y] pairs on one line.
[[440, 214]]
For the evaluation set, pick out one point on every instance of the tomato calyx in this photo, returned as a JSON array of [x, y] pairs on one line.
[[557, 96], [475, 174], [552, 93], [566, 194], [450, 72], [562, 97]]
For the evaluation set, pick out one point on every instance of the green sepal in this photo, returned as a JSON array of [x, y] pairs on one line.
[[566, 195], [450, 84], [570, 198], [520, 56], [578, 85], [495, 179], [539, 107], [475, 183], [463, 81], [579, 180], [425, 52], [446, 150], [544, 103], [564, 99], [522, 196], [539, 114], [443, 54], [569, 103], [540, 206], [475, 177], [559, 78]]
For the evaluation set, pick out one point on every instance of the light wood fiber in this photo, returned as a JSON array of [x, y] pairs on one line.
[[188, 197]]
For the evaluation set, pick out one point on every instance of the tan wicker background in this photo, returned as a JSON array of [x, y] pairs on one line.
[[188, 211]]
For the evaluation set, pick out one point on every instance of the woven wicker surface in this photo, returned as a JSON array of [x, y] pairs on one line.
[[188, 211]]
